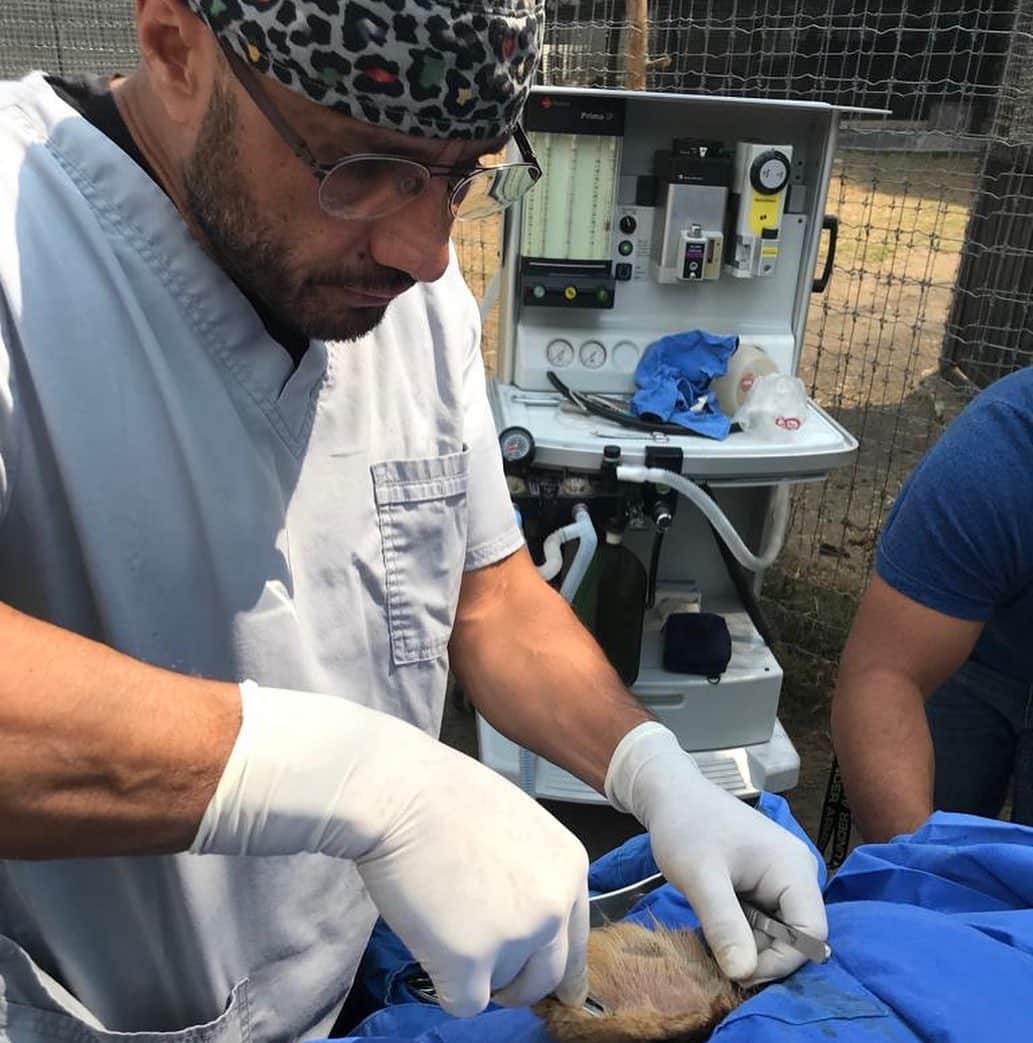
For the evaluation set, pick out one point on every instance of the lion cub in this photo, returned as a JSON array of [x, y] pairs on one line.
[[651, 985]]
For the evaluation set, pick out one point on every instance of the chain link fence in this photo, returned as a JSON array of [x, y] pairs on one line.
[[66, 36], [930, 296]]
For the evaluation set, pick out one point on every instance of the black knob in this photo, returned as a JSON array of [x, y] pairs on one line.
[[772, 164], [610, 462], [663, 517], [628, 224]]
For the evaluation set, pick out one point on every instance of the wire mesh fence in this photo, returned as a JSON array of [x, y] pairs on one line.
[[930, 295], [66, 36]]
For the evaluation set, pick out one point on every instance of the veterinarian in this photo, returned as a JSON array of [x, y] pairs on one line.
[[251, 505], [934, 706]]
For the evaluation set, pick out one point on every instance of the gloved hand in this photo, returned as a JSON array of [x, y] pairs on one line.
[[712, 847], [486, 888]]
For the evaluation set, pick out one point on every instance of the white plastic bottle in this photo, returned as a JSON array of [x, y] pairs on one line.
[[748, 363]]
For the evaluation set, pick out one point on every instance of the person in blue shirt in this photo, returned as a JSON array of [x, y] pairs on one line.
[[934, 702]]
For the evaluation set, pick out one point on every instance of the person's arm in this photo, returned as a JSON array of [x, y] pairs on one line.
[[536, 674], [516, 645], [897, 654], [101, 754], [104, 755]]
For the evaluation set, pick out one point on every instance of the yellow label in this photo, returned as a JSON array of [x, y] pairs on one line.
[[764, 211], [769, 251]]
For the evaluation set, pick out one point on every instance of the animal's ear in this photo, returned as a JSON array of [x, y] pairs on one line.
[[656, 986]]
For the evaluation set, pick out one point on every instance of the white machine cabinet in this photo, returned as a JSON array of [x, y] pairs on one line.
[[657, 214]]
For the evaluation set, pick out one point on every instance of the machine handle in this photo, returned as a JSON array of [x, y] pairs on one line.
[[831, 223]]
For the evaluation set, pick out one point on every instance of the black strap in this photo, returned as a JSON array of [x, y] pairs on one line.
[[834, 828]]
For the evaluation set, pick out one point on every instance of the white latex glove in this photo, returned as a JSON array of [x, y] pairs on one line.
[[712, 847], [485, 887]]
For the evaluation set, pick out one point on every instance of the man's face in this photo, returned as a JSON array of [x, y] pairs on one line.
[[257, 204]]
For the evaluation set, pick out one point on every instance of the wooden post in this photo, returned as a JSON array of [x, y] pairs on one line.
[[638, 36]]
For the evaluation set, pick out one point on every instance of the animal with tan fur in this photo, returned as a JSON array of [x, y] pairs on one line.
[[652, 985]]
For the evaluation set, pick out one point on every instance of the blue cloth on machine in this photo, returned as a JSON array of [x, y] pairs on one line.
[[673, 380], [932, 938]]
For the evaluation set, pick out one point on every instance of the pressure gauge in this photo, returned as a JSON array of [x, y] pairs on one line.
[[625, 356], [592, 354], [517, 444], [560, 353], [769, 172]]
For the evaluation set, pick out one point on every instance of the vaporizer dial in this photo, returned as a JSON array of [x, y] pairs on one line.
[[517, 444], [592, 354], [769, 172], [560, 353]]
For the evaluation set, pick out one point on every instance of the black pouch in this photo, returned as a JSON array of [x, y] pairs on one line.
[[697, 643]]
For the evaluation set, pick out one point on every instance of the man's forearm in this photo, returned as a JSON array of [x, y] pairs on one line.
[[885, 753], [538, 676], [101, 754]]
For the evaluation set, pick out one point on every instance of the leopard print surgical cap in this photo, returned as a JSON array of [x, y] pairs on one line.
[[457, 69]]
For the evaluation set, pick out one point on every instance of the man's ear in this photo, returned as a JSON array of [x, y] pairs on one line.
[[180, 55]]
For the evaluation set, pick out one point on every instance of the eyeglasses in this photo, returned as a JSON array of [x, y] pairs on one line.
[[366, 186]]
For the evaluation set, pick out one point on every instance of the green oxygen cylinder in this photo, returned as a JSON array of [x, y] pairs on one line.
[[620, 602], [585, 599]]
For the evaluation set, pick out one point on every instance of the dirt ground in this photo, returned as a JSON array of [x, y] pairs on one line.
[[872, 358]]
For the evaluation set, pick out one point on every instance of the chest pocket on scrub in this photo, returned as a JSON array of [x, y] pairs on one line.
[[422, 514], [34, 1008]]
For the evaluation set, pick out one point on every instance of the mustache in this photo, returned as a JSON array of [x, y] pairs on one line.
[[387, 282]]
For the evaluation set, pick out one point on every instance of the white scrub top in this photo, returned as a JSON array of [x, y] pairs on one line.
[[172, 487]]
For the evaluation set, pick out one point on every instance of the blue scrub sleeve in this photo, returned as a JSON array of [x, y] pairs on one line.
[[958, 537]]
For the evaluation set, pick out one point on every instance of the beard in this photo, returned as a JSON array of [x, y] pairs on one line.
[[246, 248]]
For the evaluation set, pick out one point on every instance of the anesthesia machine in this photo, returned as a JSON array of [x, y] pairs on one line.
[[695, 222]]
